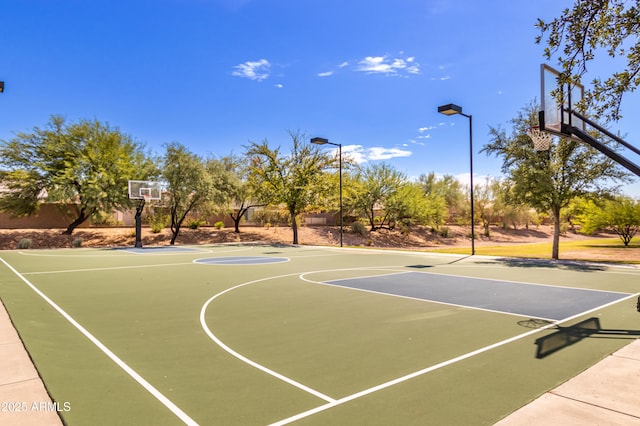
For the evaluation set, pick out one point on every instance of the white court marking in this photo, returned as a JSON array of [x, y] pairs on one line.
[[119, 362], [331, 402]]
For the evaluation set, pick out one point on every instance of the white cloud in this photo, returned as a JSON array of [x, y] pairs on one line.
[[360, 154], [253, 70], [388, 66], [325, 74], [278, 86], [344, 64]]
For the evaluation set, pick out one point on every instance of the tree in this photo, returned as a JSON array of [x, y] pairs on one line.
[[448, 188], [549, 180], [621, 215], [375, 186], [189, 184], [85, 164], [237, 194], [409, 205], [485, 203], [292, 179], [587, 30]]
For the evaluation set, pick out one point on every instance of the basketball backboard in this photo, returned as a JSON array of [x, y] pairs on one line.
[[144, 190], [558, 103]]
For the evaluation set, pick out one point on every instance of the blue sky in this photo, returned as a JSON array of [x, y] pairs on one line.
[[216, 74]]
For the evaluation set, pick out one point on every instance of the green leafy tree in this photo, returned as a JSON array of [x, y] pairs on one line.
[[620, 215], [189, 184], [410, 205], [237, 195], [446, 187], [549, 180], [375, 186], [86, 164], [293, 179], [588, 30], [511, 211]]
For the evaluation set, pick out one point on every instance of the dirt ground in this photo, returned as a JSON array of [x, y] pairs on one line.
[[420, 238]]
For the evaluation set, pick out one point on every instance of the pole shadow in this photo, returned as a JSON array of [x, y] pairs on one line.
[[567, 336]]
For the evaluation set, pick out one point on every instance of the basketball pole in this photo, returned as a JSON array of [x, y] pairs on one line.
[[139, 209]]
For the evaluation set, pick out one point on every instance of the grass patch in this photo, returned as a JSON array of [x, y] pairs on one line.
[[543, 250]]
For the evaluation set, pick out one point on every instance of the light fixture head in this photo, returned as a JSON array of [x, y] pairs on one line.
[[450, 109], [319, 141]]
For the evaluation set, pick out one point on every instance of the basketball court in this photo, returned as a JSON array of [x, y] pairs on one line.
[[261, 334]]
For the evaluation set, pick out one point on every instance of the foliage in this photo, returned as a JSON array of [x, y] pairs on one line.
[[293, 179], [376, 186], [231, 176], [158, 220], [271, 216], [587, 30], [620, 215], [549, 180], [196, 223], [189, 184], [447, 188], [24, 243], [358, 228], [219, 224], [409, 205], [444, 232], [86, 164]]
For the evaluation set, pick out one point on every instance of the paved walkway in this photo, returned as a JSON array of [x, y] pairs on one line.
[[606, 394], [24, 400]]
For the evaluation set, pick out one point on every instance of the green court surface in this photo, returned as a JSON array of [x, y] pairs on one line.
[[262, 334]]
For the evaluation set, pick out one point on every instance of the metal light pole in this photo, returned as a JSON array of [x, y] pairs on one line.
[[452, 109], [323, 141]]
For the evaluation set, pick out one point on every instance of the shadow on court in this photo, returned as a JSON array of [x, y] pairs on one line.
[[543, 263], [567, 336]]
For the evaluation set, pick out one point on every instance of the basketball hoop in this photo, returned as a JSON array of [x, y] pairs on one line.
[[541, 140]]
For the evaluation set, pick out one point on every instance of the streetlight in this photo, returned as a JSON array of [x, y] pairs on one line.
[[323, 141], [452, 109]]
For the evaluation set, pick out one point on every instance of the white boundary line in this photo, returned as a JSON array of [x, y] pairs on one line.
[[407, 377], [121, 252], [130, 371], [518, 282], [435, 367], [335, 402], [111, 268]]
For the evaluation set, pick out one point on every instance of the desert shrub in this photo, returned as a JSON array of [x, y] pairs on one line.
[[24, 243], [219, 224], [271, 216], [196, 223], [158, 222], [76, 242], [444, 232], [358, 228]]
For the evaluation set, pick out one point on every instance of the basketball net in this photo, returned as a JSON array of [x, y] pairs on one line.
[[541, 140]]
